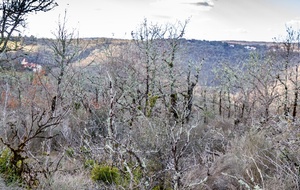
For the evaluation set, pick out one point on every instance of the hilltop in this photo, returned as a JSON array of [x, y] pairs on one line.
[[210, 53]]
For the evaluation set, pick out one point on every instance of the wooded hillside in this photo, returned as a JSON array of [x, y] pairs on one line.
[[154, 112]]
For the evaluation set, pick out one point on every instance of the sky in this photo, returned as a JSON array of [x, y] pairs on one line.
[[249, 20]]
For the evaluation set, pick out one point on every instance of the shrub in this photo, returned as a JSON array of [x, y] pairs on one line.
[[89, 164], [70, 152], [137, 175], [106, 174], [9, 172]]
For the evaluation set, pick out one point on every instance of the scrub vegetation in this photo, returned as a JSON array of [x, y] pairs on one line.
[[155, 112]]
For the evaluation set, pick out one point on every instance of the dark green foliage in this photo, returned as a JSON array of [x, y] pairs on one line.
[[89, 164], [106, 174], [70, 152], [136, 172], [9, 172], [85, 150], [77, 106], [151, 102]]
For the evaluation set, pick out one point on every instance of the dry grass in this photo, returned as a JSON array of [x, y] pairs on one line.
[[258, 159], [66, 181]]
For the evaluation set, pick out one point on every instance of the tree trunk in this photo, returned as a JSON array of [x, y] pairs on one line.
[[220, 103], [205, 107], [229, 105], [296, 92]]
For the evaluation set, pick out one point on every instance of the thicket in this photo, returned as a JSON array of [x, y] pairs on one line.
[[141, 116]]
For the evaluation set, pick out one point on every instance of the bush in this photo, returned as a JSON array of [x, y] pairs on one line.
[[70, 152], [106, 174], [9, 172], [137, 175], [89, 164]]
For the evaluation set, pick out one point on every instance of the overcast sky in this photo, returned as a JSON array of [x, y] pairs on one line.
[[255, 20]]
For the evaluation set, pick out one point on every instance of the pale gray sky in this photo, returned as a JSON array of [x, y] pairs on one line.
[[257, 20]]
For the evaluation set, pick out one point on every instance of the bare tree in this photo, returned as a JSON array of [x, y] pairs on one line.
[[262, 73], [288, 48], [148, 39], [13, 16]]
